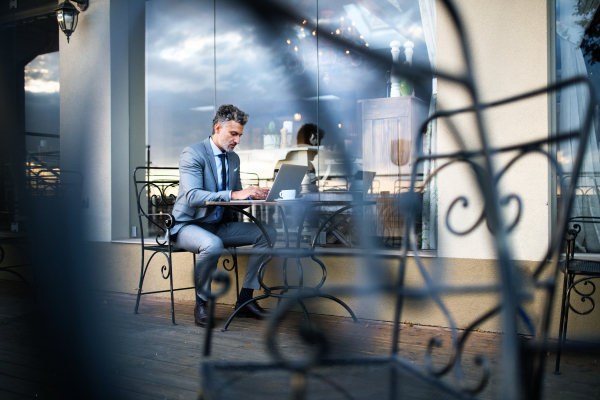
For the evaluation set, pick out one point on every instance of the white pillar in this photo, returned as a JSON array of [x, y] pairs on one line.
[[394, 78], [408, 51]]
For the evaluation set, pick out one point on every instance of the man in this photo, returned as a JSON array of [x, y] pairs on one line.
[[210, 171]]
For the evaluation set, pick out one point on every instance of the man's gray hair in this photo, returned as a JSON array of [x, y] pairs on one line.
[[229, 112]]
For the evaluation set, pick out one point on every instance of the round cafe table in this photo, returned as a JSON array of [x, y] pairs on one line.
[[297, 252]]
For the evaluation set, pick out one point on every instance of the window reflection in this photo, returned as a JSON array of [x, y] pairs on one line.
[[42, 109], [179, 76], [577, 35], [310, 100]]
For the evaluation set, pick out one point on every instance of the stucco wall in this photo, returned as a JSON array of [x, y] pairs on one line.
[[119, 270], [508, 43], [86, 113], [100, 75]]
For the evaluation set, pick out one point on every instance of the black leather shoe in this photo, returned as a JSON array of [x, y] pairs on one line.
[[252, 310], [201, 315]]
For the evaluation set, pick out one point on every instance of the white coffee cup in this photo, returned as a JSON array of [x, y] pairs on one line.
[[287, 194]]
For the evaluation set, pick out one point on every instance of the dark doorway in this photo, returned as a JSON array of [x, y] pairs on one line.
[[26, 32]]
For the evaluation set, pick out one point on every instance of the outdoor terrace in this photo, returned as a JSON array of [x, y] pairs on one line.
[[148, 358]]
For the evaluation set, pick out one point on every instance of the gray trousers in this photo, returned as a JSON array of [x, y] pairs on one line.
[[208, 241]]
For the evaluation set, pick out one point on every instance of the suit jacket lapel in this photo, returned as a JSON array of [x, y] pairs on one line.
[[211, 161]]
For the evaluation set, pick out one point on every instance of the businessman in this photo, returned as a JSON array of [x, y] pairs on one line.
[[210, 171]]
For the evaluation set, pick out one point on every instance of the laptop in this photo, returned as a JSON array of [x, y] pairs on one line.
[[363, 180], [289, 177]]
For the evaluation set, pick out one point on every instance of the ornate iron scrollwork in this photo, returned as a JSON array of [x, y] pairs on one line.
[[584, 297]]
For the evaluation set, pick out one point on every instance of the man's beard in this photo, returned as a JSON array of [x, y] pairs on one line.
[[225, 145]]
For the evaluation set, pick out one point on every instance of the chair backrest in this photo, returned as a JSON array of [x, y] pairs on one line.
[[249, 179], [156, 190], [576, 224]]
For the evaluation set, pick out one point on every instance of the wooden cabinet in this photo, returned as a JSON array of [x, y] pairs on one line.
[[389, 126]]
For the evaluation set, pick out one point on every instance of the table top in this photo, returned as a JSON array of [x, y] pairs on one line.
[[244, 203]]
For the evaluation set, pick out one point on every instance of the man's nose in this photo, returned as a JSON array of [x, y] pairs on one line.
[[236, 139]]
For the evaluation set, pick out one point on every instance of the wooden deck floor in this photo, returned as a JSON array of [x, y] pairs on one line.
[[146, 357]]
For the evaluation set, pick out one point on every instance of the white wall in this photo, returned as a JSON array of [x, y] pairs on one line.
[[509, 44], [95, 110], [85, 112]]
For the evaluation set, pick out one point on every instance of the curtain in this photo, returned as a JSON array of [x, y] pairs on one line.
[[573, 18], [429, 226]]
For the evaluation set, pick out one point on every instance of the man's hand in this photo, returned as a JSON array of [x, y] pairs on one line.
[[253, 192]]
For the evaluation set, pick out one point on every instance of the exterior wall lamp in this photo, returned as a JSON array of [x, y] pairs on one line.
[[67, 15]]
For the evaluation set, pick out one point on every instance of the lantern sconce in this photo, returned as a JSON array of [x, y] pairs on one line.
[[67, 15]]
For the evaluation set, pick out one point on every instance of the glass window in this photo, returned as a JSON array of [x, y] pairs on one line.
[[312, 100], [578, 53], [42, 108]]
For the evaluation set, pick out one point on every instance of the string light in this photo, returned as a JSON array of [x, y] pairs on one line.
[[320, 53], [301, 29], [362, 37], [349, 29], [297, 117], [295, 48], [347, 51], [304, 21], [337, 31], [289, 41], [353, 23], [340, 126], [314, 33], [341, 18], [367, 44]]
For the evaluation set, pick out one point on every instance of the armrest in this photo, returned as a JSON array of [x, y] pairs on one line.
[[169, 223]]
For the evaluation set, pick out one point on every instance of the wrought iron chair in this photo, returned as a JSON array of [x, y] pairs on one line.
[[156, 192], [15, 244], [521, 362], [575, 272]]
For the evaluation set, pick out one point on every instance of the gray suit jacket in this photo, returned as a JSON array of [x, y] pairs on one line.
[[198, 182]]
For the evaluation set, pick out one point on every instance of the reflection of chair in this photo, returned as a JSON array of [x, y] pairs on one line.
[[18, 245], [249, 179], [586, 270], [156, 192]]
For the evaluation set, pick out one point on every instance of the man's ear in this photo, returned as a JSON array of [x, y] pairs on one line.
[[217, 128]]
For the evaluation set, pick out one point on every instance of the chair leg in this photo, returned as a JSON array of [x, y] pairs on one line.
[[139, 293], [237, 276], [171, 284], [264, 296], [209, 328], [562, 330]]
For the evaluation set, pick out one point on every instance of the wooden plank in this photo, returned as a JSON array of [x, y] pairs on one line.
[[156, 377], [150, 358], [132, 395], [27, 388], [390, 107], [5, 395], [44, 377], [150, 388], [24, 359]]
